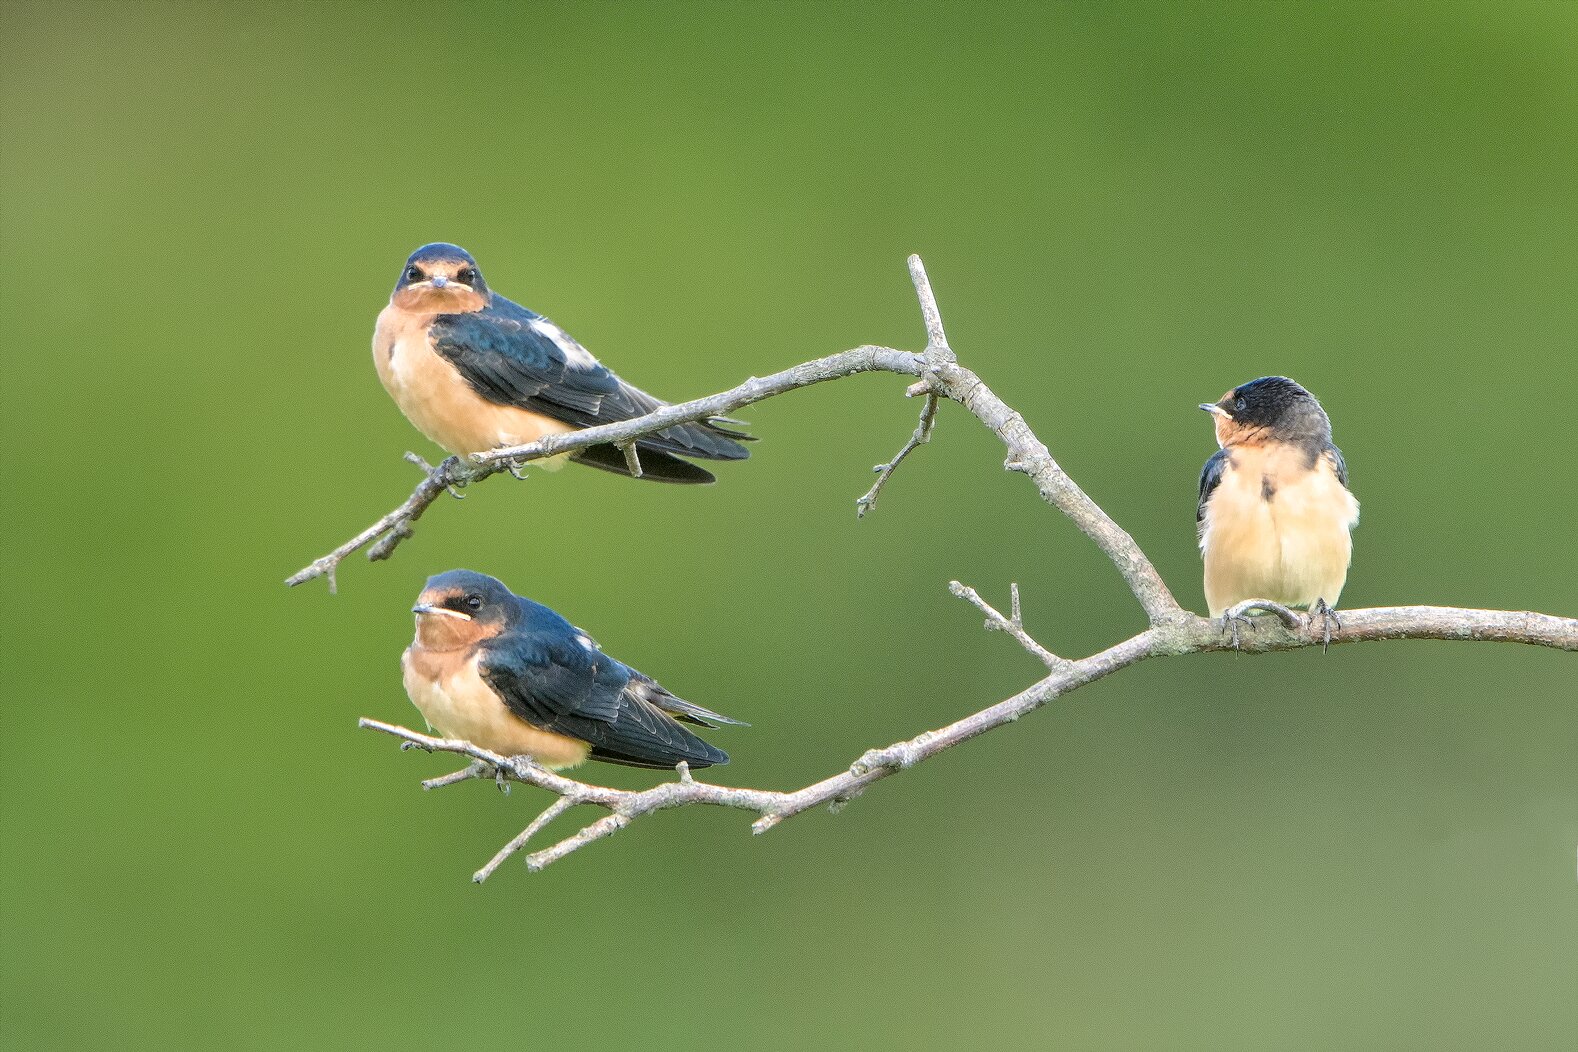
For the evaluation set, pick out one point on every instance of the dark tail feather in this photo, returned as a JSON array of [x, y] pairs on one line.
[[646, 733], [687, 711], [655, 465], [715, 425], [706, 440], [705, 756]]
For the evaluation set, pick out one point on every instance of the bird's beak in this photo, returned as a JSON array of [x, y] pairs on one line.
[[439, 281], [1212, 407], [429, 608]]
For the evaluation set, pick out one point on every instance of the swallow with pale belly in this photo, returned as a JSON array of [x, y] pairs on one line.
[[512, 676], [1275, 514], [476, 372]]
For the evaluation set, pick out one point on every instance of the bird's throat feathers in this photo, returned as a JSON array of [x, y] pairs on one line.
[[443, 630], [1230, 432]]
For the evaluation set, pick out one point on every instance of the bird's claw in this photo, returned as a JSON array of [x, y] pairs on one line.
[[516, 468], [1328, 620], [1230, 623], [502, 780], [445, 471]]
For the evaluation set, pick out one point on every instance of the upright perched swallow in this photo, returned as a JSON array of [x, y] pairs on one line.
[[474, 372], [1275, 511], [512, 676]]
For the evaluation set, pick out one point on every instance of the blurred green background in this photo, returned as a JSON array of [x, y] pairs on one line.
[[1125, 208]]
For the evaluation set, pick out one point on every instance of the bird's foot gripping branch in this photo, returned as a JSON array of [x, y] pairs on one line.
[[1172, 631]]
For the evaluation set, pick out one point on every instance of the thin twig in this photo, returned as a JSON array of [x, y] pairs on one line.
[[476, 769], [554, 810], [632, 459], [922, 435], [937, 350], [1013, 624], [937, 354]]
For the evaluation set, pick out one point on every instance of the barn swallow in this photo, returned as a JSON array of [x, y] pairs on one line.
[[510, 675], [475, 372], [1275, 513]]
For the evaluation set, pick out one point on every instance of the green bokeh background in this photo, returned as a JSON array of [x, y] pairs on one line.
[[1125, 208]]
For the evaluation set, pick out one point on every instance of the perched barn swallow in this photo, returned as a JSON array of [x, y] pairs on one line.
[[512, 676], [1275, 511], [474, 372]]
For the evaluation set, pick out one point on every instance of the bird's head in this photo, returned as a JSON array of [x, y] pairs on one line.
[[460, 607], [1272, 407], [441, 279]]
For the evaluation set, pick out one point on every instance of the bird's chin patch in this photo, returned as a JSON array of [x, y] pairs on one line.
[[440, 629], [1226, 428], [451, 299], [1230, 432]]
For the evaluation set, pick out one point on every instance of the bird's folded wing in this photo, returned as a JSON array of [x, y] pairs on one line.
[[512, 356], [576, 690], [1338, 465], [1210, 478]]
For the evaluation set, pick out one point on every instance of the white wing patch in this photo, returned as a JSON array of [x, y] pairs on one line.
[[574, 353]]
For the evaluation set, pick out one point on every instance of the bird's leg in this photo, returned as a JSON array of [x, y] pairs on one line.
[[1328, 619], [1235, 616], [1290, 620]]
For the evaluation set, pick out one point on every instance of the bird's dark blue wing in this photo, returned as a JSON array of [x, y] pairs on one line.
[[555, 678], [507, 355], [1339, 465], [513, 356], [1210, 478]]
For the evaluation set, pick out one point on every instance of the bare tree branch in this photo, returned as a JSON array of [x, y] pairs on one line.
[[397, 525], [1186, 635], [1173, 631]]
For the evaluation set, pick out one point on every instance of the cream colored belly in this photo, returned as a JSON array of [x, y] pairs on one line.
[[462, 705], [436, 398], [1293, 549]]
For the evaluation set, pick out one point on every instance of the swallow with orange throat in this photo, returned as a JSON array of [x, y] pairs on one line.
[[512, 676], [476, 372], [1275, 514]]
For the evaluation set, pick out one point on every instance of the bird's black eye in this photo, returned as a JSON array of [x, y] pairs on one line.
[[473, 601], [1239, 405], [413, 274], [468, 276]]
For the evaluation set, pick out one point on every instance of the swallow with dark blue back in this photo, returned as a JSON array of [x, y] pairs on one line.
[[475, 372], [1275, 514], [512, 676]]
